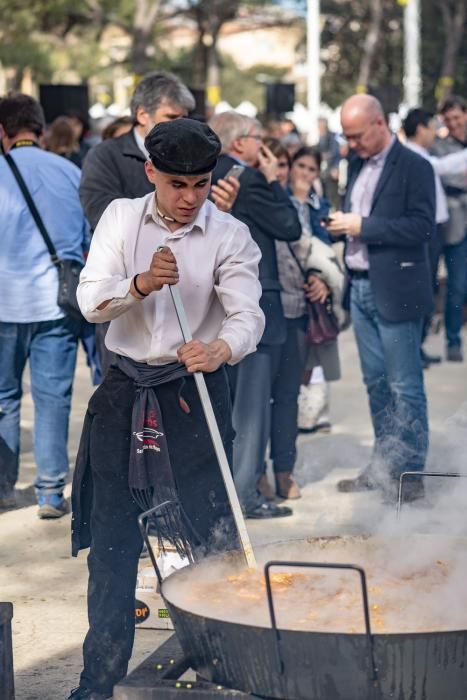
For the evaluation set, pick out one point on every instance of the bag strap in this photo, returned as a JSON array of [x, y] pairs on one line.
[[299, 264], [33, 209]]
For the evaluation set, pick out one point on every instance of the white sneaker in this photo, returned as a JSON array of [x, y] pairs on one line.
[[313, 408]]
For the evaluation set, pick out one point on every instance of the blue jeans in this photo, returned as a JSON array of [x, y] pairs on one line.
[[455, 257], [50, 347], [392, 372]]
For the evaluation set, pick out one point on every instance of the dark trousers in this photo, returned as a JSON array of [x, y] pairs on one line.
[[455, 257], [116, 541], [251, 382], [435, 248], [286, 386]]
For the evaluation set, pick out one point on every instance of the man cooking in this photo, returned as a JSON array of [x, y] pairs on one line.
[[145, 439]]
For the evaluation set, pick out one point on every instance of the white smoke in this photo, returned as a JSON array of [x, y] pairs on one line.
[[416, 563]]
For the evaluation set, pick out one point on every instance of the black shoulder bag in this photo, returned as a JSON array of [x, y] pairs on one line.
[[68, 270]]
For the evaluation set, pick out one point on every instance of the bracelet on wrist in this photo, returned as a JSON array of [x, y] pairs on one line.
[[138, 291]]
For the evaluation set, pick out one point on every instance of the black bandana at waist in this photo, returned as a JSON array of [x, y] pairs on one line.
[[150, 475]]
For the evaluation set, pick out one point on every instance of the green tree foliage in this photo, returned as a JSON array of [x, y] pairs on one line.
[[346, 24], [345, 29], [47, 36], [434, 46], [37, 33]]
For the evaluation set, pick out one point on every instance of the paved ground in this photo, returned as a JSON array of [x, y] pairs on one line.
[[48, 587]]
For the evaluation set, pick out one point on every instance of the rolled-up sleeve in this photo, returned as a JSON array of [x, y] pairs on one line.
[[104, 277], [239, 291]]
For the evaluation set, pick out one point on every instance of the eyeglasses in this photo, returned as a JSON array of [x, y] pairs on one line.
[[358, 137], [257, 137]]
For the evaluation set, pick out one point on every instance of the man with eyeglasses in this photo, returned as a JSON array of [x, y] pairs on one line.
[[388, 220], [264, 206]]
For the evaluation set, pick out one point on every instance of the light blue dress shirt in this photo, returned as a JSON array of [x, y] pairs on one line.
[[28, 278]]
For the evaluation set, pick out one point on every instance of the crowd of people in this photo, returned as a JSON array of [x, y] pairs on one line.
[[276, 247]]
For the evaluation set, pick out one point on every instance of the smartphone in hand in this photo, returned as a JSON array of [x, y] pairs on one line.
[[235, 171], [325, 220]]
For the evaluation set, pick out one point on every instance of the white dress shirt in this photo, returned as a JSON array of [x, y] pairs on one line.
[[454, 163], [442, 213], [218, 266]]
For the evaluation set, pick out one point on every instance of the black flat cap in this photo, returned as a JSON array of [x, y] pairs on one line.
[[183, 147]]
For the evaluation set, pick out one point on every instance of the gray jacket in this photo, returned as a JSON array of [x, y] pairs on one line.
[[455, 186]]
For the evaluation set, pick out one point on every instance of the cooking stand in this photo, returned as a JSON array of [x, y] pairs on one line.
[[404, 478], [159, 677]]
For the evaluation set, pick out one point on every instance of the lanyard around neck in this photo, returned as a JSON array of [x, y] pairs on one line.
[[24, 142]]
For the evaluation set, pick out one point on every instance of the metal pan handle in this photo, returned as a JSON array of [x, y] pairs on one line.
[[216, 438], [404, 475], [320, 565], [142, 520]]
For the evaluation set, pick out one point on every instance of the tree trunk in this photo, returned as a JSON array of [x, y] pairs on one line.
[[371, 42], [210, 16], [454, 16], [200, 53], [145, 17], [16, 79]]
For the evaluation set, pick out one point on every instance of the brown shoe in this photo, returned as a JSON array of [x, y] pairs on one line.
[[363, 482], [265, 488], [286, 486]]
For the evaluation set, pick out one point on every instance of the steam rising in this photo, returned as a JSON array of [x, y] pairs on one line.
[[409, 584], [416, 565]]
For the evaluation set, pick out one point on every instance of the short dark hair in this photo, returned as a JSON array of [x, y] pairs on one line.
[[310, 151], [453, 102], [20, 112], [415, 118], [155, 87]]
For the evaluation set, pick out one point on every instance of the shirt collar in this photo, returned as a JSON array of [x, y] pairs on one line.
[[380, 157], [200, 221], [140, 143], [417, 148], [237, 160]]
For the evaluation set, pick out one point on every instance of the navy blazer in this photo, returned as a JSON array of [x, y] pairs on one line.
[[397, 232], [270, 215]]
